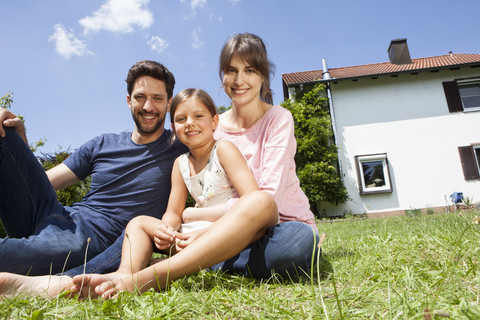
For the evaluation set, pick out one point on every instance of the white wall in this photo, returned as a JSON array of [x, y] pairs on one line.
[[406, 117]]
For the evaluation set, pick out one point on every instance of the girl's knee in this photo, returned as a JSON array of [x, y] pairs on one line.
[[139, 222], [260, 203]]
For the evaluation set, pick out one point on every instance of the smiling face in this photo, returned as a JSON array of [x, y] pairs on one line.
[[242, 82], [194, 124], [148, 104]]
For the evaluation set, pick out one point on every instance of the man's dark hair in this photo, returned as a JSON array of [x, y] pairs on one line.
[[153, 69]]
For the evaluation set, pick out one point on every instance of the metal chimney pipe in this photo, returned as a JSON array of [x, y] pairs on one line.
[[325, 74]]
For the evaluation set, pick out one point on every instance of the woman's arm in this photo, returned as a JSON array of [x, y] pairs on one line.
[[278, 158]]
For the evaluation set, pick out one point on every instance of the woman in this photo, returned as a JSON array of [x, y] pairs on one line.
[[243, 240]]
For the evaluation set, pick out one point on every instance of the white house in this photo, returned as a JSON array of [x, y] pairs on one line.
[[408, 130]]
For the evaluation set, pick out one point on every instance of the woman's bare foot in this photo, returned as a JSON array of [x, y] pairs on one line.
[[49, 286]]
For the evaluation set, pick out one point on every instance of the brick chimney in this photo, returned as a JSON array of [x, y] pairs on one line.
[[398, 52]]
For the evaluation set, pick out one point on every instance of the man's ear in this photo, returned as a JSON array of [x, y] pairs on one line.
[[169, 103], [129, 102]]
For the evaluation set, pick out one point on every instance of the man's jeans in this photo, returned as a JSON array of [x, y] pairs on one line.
[[286, 249], [43, 236]]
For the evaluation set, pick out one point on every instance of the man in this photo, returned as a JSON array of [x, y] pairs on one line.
[[130, 176]]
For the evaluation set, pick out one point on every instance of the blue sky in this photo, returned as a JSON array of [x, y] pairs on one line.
[[66, 60]]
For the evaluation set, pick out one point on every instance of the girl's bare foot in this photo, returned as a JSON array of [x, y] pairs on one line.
[[88, 285]]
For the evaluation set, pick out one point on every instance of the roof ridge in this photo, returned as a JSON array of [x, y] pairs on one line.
[[413, 59], [381, 68]]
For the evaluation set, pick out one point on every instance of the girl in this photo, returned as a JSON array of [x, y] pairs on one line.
[[212, 171]]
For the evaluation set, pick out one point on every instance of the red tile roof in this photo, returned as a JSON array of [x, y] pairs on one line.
[[372, 70]]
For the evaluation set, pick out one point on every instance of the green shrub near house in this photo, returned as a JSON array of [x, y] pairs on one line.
[[317, 155]]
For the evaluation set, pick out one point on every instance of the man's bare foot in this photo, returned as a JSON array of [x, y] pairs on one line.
[[49, 286]]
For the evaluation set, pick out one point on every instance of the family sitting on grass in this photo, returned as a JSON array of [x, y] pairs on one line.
[[251, 216]]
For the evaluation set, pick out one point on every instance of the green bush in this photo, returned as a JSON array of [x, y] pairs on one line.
[[317, 155], [72, 194]]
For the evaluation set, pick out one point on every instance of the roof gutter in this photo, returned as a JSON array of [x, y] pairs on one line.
[[326, 77]]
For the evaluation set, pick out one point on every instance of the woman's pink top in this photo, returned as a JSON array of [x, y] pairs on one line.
[[269, 147]]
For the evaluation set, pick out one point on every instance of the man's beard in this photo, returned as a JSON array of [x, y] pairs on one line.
[[150, 129]]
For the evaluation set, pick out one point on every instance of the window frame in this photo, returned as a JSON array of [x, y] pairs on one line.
[[363, 188], [454, 98], [465, 83]]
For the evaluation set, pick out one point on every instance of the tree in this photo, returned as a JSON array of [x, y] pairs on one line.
[[6, 102], [317, 155]]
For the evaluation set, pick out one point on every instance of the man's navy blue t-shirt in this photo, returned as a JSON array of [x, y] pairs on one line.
[[128, 180]]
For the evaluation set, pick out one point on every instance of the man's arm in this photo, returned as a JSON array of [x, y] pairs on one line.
[[61, 177]]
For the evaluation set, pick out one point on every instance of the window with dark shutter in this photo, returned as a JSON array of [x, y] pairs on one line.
[[469, 163], [452, 94]]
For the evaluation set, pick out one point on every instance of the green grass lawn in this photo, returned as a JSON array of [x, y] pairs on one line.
[[423, 267]]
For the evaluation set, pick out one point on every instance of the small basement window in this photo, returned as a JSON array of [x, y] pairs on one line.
[[373, 174]]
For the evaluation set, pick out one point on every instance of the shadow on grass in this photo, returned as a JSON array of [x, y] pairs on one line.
[[211, 280]]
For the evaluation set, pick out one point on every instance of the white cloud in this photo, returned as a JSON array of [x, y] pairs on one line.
[[197, 4], [194, 5], [157, 44], [234, 2], [66, 44], [197, 42], [119, 16]]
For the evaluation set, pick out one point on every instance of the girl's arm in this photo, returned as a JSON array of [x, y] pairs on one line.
[[242, 179], [236, 168], [164, 235], [237, 171]]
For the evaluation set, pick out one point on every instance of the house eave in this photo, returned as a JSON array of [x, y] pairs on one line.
[[391, 74]]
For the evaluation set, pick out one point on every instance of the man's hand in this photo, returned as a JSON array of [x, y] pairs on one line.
[[10, 120]]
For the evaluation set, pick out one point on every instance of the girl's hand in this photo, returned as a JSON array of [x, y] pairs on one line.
[[164, 236], [185, 239]]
